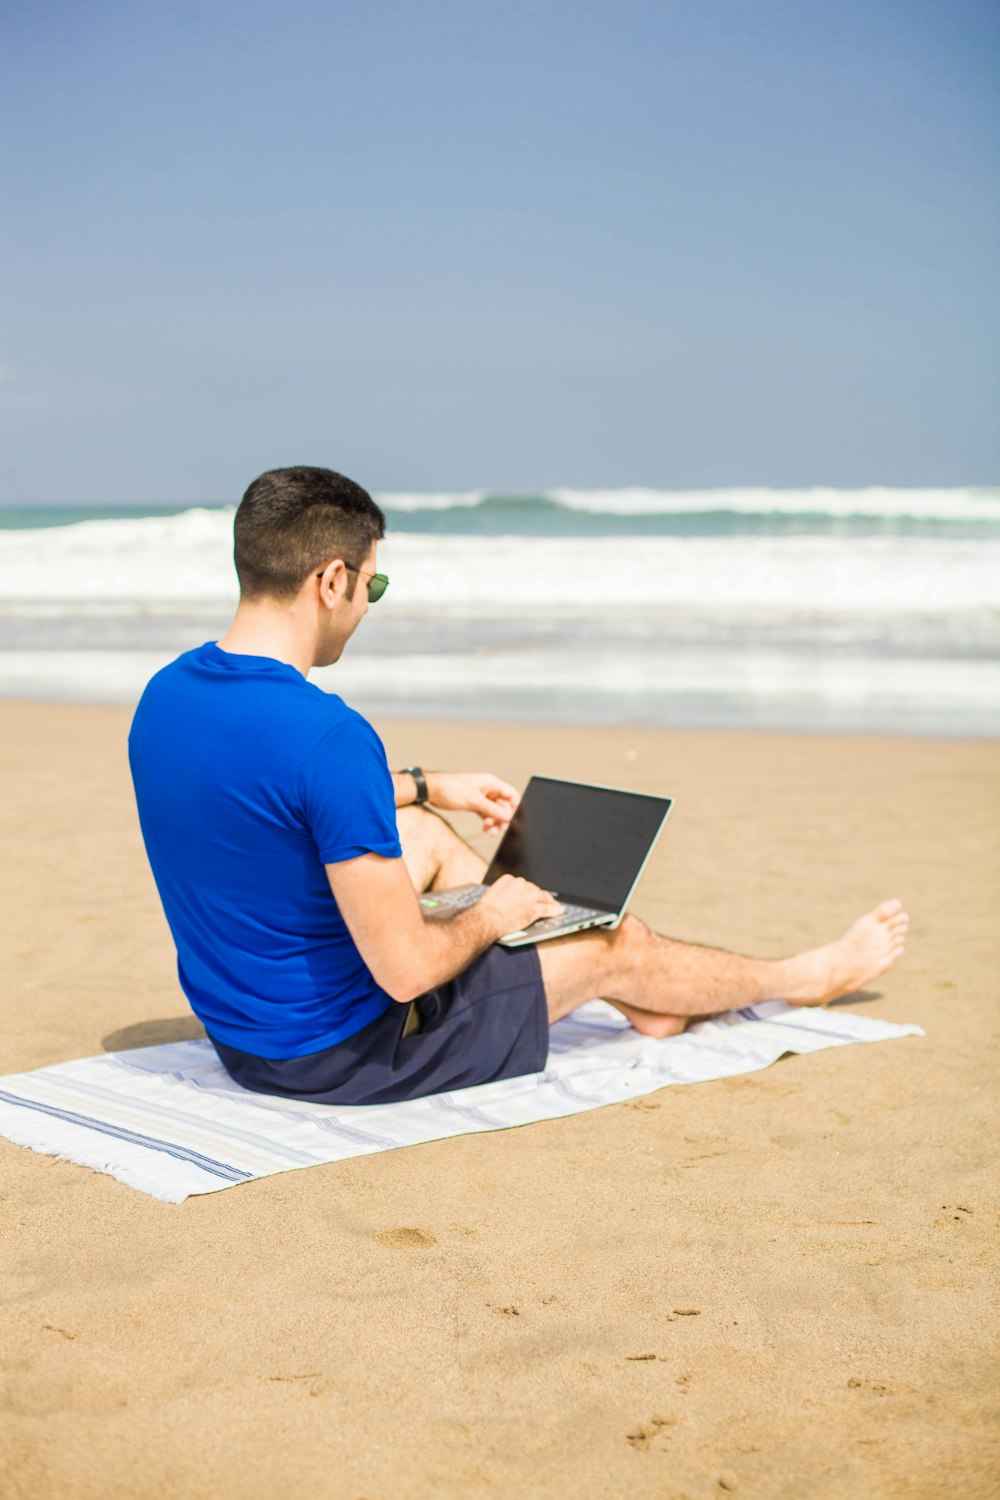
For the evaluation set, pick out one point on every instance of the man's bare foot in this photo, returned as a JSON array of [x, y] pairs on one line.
[[650, 1023], [865, 951]]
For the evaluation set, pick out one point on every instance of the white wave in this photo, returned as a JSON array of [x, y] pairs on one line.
[[875, 502], [158, 558], [153, 562], [800, 574]]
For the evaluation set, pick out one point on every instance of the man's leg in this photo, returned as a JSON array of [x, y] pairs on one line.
[[659, 984], [435, 856]]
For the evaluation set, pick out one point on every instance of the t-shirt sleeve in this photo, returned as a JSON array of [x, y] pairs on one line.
[[346, 795]]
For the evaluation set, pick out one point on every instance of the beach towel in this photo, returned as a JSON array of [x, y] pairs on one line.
[[169, 1121]]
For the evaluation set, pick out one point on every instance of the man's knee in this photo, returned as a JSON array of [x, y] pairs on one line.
[[598, 961], [632, 937], [614, 951], [422, 826], [413, 815]]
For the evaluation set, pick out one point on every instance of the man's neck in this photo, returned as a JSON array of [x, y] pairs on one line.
[[275, 630]]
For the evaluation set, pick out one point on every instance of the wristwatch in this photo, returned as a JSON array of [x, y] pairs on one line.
[[419, 782]]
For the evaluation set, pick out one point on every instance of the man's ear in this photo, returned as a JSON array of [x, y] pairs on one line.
[[332, 583]]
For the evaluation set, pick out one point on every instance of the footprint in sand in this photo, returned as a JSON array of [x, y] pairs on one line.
[[405, 1239], [643, 1435]]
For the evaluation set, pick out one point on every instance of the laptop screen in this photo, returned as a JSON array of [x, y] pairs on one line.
[[587, 843]]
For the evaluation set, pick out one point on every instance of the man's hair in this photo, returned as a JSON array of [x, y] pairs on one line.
[[292, 522]]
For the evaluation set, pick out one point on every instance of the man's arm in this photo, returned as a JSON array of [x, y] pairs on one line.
[[408, 956], [462, 791]]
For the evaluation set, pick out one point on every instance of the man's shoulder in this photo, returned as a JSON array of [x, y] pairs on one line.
[[335, 725], [170, 682]]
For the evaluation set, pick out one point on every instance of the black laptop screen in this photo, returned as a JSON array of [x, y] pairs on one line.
[[588, 843]]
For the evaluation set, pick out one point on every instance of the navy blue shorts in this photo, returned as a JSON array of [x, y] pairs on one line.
[[489, 1022]]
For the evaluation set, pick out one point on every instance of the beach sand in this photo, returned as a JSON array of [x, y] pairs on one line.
[[775, 1285]]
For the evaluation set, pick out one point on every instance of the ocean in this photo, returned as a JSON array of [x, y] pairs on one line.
[[816, 609]]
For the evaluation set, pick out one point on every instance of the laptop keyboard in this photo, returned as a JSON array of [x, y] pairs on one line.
[[449, 902], [452, 901], [570, 916]]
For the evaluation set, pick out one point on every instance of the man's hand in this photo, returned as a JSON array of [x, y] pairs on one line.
[[514, 903], [473, 791]]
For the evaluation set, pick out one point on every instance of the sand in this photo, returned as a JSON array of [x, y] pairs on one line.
[[778, 1285]]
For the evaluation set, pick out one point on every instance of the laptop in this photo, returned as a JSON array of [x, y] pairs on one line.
[[588, 845]]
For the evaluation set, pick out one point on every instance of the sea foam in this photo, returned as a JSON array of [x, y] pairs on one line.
[[877, 503], [187, 559]]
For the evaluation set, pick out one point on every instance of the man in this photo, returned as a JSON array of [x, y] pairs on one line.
[[289, 858]]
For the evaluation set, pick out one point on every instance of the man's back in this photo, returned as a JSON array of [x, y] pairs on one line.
[[249, 780]]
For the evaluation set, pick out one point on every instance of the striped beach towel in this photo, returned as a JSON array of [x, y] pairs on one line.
[[169, 1121]]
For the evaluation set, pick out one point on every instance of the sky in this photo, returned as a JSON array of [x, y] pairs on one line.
[[497, 244]]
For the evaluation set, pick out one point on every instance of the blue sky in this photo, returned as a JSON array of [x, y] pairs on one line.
[[506, 245]]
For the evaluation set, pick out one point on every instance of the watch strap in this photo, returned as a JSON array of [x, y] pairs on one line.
[[419, 781]]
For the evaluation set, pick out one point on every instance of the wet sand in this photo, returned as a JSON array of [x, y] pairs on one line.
[[776, 1285]]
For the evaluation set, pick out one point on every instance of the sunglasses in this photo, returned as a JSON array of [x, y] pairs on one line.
[[377, 582]]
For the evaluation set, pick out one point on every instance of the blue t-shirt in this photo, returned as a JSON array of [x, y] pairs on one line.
[[249, 779]]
